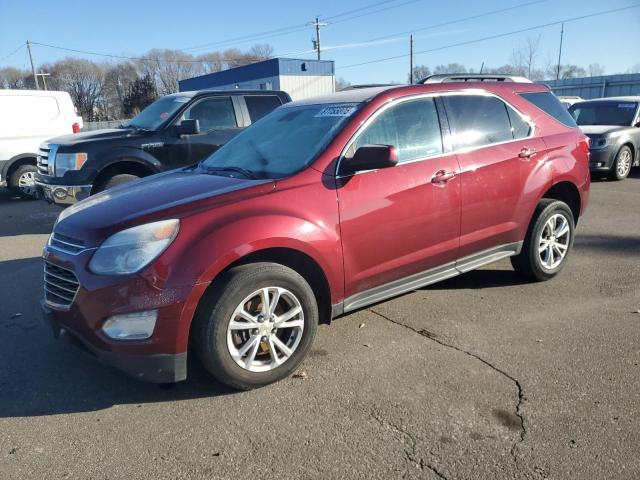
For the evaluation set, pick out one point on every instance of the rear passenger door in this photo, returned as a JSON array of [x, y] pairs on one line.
[[493, 143]]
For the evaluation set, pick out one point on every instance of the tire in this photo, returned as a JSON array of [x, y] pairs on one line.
[[539, 265], [116, 180], [22, 182], [220, 348], [622, 164]]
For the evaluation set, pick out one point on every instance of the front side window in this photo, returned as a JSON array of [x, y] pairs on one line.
[[519, 127], [284, 142], [412, 127], [477, 120], [604, 113], [212, 113]]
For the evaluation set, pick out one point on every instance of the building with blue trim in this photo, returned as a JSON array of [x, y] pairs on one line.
[[596, 87], [299, 78]]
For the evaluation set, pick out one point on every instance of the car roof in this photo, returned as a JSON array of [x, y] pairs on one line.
[[360, 95]]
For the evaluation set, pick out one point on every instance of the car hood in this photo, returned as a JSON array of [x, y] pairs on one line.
[[597, 130], [169, 194], [105, 134]]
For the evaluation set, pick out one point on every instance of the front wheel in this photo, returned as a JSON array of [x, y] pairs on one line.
[[547, 243], [23, 182], [622, 164], [256, 326]]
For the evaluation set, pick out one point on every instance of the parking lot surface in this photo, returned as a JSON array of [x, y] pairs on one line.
[[482, 376]]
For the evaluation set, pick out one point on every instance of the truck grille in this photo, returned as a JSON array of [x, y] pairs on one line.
[[60, 285], [44, 153], [67, 244]]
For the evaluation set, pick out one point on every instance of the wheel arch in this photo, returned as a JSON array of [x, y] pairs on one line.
[[568, 193], [16, 162], [124, 165], [292, 258]]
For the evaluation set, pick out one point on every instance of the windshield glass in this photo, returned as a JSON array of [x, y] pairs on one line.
[[604, 113], [284, 142], [156, 114]]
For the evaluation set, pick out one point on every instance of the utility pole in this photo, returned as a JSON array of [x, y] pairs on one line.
[[411, 59], [560, 52], [43, 75], [33, 68], [316, 42]]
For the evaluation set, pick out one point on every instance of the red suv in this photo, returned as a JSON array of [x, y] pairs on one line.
[[322, 207]]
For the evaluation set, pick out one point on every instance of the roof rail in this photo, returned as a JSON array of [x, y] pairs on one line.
[[368, 85], [473, 77]]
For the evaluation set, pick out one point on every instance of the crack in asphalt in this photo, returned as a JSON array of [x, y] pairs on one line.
[[410, 454], [518, 409]]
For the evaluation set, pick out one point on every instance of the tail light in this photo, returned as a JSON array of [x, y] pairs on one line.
[[584, 145], [76, 127]]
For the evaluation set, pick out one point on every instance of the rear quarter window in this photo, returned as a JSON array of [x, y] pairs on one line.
[[260, 105], [549, 103]]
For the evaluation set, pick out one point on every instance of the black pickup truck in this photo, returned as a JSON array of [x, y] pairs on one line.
[[175, 131]]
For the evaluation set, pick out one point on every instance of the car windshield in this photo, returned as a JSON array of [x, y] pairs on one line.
[[282, 143], [156, 114], [604, 113]]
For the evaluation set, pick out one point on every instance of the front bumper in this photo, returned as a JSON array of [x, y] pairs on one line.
[[601, 160], [64, 194], [154, 368]]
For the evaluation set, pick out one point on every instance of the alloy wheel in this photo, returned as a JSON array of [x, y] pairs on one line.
[[27, 183], [624, 163], [265, 329], [554, 241]]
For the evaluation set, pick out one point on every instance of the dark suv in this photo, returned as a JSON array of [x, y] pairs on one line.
[[325, 206], [174, 131], [613, 125]]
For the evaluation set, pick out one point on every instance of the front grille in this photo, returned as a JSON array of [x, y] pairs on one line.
[[66, 244], [43, 159], [60, 285]]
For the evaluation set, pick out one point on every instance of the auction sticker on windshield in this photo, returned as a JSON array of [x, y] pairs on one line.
[[342, 110]]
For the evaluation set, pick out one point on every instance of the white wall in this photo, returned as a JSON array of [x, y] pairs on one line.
[[305, 86]]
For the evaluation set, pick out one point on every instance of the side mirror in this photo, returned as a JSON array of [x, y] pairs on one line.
[[371, 157], [188, 127], [637, 124]]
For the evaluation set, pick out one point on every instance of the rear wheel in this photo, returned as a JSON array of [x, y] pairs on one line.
[[257, 325], [547, 243], [23, 182], [622, 164], [115, 181]]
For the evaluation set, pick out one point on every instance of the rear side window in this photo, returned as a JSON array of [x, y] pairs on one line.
[[549, 103], [260, 105], [477, 120], [412, 127]]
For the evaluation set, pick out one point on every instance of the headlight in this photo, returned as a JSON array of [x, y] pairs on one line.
[[600, 142], [133, 249], [68, 161]]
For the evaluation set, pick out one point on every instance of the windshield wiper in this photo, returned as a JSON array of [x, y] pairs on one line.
[[243, 171]]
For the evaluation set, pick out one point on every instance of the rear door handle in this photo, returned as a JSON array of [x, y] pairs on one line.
[[442, 176], [527, 153]]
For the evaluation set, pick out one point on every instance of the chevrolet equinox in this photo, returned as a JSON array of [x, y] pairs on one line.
[[322, 207]]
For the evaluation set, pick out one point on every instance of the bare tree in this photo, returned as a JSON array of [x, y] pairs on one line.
[[117, 82], [524, 57], [450, 68], [634, 69], [341, 84], [261, 51], [595, 70], [420, 72], [15, 79]]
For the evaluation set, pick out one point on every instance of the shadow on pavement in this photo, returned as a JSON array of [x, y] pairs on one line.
[[25, 217], [477, 279], [615, 244], [43, 376]]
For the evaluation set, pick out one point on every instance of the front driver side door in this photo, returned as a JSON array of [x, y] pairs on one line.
[[405, 220], [219, 123]]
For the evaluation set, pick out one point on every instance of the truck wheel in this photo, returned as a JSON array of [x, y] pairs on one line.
[[23, 182], [547, 243], [622, 164], [115, 181], [256, 326]]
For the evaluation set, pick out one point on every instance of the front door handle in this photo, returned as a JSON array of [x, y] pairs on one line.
[[441, 177], [527, 153]]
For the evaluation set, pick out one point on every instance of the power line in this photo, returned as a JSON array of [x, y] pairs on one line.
[[13, 52], [492, 37], [353, 17]]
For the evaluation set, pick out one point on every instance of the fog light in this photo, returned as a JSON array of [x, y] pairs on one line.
[[60, 193], [131, 326]]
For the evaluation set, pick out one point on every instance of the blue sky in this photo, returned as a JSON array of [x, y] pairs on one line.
[[134, 26]]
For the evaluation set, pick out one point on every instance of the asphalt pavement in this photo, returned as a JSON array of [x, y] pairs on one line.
[[484, 376]]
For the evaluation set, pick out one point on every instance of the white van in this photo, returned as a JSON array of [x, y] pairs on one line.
[[28, 118]]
